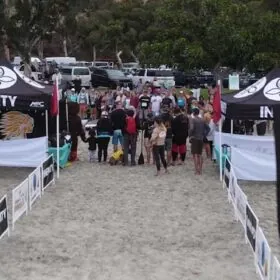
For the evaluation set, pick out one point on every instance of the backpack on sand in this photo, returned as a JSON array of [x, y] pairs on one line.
[[131, 125]]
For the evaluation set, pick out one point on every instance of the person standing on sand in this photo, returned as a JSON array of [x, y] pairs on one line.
[[104, 131], [180, 127], [130, 136], [197, 133], [158, 142], [118, 119]]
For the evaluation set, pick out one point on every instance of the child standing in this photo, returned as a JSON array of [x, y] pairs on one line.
[[158, 141], [91, 140]]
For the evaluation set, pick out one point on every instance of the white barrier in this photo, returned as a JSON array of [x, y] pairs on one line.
[[20, 201], [253, 233], [35, 185], [253, 166], [26, 193], [30, 151], [275, 269]]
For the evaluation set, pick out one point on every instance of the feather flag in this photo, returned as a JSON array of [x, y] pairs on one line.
[[54, 111], [217, 109]]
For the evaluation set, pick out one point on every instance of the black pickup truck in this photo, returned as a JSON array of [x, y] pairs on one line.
[[111, 78]]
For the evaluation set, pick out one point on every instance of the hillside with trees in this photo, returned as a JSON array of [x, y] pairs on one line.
[[187, 33]]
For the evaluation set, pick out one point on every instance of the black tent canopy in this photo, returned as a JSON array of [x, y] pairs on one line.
[[260, 101], [255, 102], [21, 93]]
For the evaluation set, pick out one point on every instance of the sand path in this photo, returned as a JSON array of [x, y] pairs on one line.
[[101, 222]]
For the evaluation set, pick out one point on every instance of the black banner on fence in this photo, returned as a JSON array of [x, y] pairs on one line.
[[251, 226], [3, 216], [48, 172]]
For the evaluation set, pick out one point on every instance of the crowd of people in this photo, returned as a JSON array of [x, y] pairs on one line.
[[163, 120]]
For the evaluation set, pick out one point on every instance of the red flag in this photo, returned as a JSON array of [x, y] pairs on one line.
[[217, 109], [54, 101]]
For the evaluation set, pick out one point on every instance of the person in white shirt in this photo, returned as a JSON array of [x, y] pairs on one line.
[[83, 101], [57, 76], [156, 102], [121, 98]]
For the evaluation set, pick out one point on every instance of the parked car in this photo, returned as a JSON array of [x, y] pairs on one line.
[[70, 73], [111, 78], [205, 79], [164, 77], [35, 74]]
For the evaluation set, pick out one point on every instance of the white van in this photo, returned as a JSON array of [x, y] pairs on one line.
[[61, 60], [70, 73], [164, 77]]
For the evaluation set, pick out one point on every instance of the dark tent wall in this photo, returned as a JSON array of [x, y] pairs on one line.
[[9, 120]]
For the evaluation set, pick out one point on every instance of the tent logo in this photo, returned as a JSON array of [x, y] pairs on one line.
[[258, 85], [27, 80], [7, 77], [272, 90], [266, 112]]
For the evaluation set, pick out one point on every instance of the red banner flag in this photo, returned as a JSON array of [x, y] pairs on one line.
[[54, 101], [217, 109]]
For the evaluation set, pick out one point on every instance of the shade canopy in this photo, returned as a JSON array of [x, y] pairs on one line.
[[255, 102], [19, 92]]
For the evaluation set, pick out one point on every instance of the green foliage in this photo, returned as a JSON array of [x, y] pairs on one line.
[[188, 33]]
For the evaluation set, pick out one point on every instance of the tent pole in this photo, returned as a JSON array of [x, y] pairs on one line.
[[57, 131], [277, 153], [221, 150], [67, 116], [47, 123]]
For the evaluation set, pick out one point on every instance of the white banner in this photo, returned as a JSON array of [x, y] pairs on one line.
[[23, 152], [275, 269], [253, 166], [258, 144], [35, 185], [240, 205], [263, 255], [20, 200], [233, 82]]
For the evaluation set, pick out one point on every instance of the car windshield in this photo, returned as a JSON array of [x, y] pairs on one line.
[[115, 74], [81, 71]]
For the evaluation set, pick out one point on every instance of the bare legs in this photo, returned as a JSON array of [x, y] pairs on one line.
[[198, 162]]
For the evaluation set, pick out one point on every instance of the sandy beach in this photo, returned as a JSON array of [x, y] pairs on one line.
[[101, 222]]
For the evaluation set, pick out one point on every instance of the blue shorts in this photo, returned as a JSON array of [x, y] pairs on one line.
[[117, 137]]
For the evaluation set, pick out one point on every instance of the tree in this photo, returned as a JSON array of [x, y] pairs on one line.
[[30, 22]]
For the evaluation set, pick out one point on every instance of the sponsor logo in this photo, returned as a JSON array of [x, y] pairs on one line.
[[48, 171], [3, 215], [251, 89], [7, 77], [272, 90], [266, 112], [37, 105], [7, 100]]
